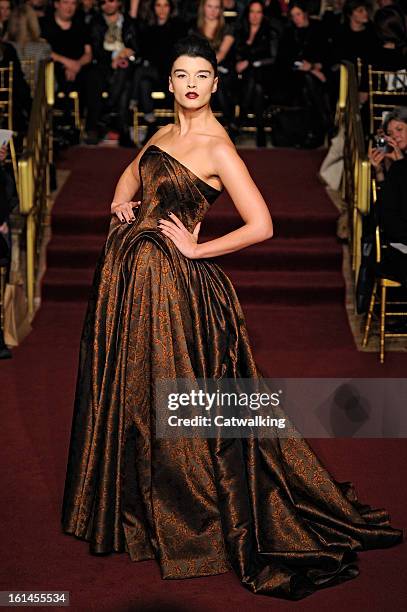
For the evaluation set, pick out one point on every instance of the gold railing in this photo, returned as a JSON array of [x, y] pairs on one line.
[[34, 177], [356, 177]]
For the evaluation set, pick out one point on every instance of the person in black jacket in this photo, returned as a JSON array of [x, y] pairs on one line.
[[114, 41], [392, 190], [253, 61], [301, 71], [158, 33]]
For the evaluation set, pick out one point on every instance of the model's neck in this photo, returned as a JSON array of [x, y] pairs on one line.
[[193, 121]]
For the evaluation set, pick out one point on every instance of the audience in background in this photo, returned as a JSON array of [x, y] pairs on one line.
[[5, 10], [157, 35], [71, 50], [301, 70], [115, 46], [25, 35], [21, 90], [86, 10], [253, 61], [391, 31], [221, 36]]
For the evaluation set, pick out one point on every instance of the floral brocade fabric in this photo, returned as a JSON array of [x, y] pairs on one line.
[[264, 508]]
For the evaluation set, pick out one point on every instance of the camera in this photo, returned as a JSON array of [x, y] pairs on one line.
[[382, 144]]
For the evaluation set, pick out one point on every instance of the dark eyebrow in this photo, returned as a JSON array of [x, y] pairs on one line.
[[183, 70]]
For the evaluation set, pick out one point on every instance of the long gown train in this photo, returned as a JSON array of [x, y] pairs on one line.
[[265, 508]]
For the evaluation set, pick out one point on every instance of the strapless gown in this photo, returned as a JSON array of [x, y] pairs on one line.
[[265, 508]]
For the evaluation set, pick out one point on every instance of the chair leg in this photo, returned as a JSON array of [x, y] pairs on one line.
[[369, 315], [382, 323]]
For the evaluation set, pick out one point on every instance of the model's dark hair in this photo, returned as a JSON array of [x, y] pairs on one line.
[[390, 25], [195, 46], [398, 114]]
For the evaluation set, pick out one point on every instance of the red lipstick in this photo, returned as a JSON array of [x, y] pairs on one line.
[[192, 95]]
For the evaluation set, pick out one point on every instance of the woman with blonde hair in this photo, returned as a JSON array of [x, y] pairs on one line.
[[25, 35]]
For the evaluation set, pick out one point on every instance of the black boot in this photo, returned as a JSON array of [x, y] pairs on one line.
[[5, 352]]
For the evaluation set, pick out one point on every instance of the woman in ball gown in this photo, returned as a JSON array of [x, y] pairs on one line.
[[161, 308]]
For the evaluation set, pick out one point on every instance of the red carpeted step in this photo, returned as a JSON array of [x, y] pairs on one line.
[[82, 251], [215, 223], [254, 286]]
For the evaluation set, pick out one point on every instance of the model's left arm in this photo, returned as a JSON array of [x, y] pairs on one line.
[[258, 226]]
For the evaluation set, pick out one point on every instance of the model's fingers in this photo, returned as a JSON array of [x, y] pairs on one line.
[[177, 221], [130, 212], [120, 215]]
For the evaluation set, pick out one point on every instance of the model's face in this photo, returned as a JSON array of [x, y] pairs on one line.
[[255, 14], [110, 7], [4, 10], [299, 18], [162, 10], [192, 81], [65, 9], [212, 9], [360, 15], [398, 131]]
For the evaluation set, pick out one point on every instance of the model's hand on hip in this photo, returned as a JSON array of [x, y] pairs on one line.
[[124, 210], [185, 241]]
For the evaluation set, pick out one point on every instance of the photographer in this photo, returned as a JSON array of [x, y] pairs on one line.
[[390, 165]]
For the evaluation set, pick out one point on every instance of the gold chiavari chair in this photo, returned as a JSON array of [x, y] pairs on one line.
[[381, 298], [6, 110], [28, 68], [159, 112], [387, 89]]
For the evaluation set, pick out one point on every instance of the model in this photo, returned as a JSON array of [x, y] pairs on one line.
[[161, 308]]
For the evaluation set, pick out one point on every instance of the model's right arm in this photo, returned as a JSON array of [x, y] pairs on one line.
[[129, 184]]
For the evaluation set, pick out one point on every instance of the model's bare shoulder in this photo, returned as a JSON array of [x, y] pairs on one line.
[[224, 153], [163, 131]]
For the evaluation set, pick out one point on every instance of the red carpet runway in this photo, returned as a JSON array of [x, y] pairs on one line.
[[292, 293]]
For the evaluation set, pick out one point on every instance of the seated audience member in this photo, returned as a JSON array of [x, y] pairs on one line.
[[5, 10], [356, 37], [301, 68], [71, 51], [333, 18], [253, 61], [391, 32], [25, 36], [115, 47], [21, 91], [158, 33], [8, 201], [211, 25], [187, 10], [41, 7], [86, 11], [392, 193], [233, 6]]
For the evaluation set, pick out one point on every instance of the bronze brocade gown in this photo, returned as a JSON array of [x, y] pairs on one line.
[[265, 508]]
